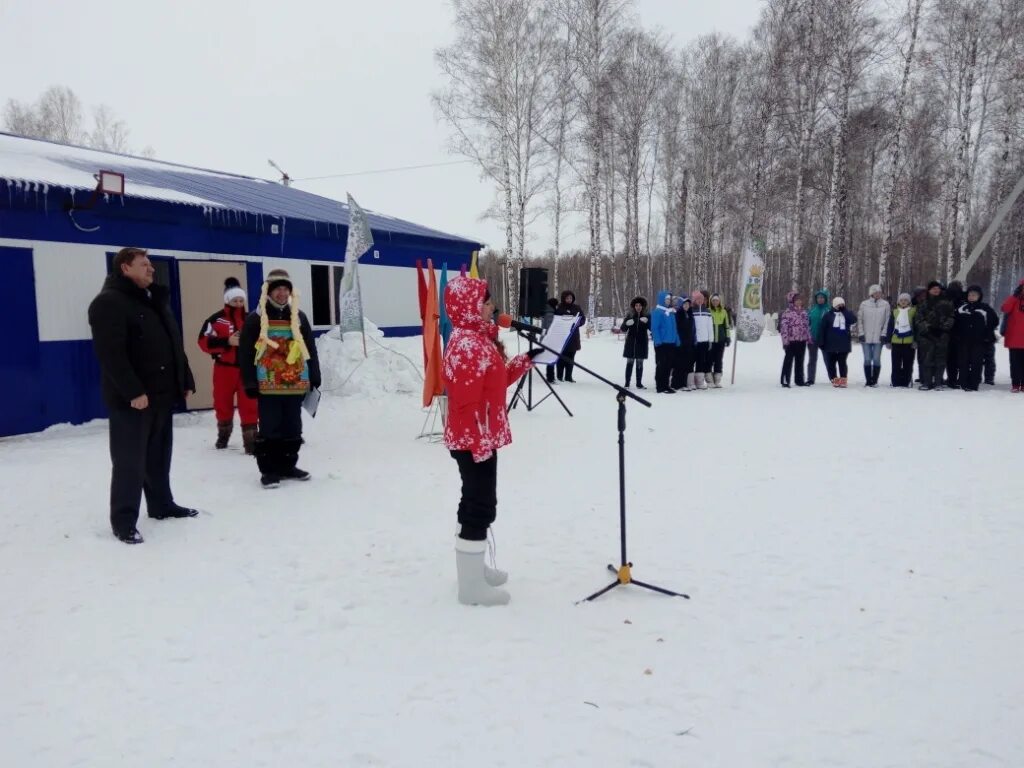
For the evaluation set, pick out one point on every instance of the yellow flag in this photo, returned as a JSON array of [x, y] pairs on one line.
[[473, 271]]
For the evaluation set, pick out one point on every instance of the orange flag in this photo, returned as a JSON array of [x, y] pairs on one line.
[[433, 384]]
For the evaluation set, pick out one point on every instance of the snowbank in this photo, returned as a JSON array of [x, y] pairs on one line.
[[389, 366]]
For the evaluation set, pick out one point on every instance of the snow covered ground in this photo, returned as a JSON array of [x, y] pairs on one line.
[[853, 557]]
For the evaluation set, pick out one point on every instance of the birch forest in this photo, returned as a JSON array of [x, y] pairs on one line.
[[859, 141]]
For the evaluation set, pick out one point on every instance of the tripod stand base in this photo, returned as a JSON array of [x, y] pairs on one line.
[[624, 575]]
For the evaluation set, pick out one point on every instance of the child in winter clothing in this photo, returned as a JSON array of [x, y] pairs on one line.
[[720, 316], [795, 329], [818, 310], [666, 341], [975, 327], [835, 340], [636, 326], [1013, 339], [899, 335], [219, 338], [704, 338], [682, 371]]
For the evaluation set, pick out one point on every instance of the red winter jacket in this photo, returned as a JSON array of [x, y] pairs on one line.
[[1014, 307], [213, 336], [475, 375]]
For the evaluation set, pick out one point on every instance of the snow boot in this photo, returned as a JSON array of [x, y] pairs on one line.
[[867, 375], [473, 586], [842, 382], [701, 380], [249, 438], [708, 380], [718, 381], [265, 452], [690, 383], [288, 458], [223, 434]]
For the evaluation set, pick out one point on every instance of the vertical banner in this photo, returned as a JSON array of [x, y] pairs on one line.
[[433, 383], [446, 322], [360, 240], [750, 322], [474, 271]]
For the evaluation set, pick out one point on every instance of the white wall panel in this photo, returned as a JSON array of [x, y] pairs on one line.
[[68, 277], [390, 294]]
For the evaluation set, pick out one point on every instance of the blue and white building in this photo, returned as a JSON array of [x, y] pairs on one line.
[[57, 238]]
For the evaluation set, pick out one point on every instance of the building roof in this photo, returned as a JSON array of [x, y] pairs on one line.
[[35, 162]]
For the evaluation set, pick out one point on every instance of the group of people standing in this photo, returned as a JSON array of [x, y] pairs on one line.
[[690, 333], [952, 332], [265, 362]]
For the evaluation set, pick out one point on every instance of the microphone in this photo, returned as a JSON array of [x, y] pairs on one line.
[[506, 321]]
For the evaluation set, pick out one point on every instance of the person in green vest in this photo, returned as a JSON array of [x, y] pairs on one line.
[[820, 307], [720, 339]]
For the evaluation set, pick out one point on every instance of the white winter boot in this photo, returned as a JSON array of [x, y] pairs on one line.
[[701, 381], [718, 381], [709, 380], [474, 588], [690, 385]]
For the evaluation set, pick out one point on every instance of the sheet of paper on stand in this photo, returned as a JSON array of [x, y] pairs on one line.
[[557, 337]]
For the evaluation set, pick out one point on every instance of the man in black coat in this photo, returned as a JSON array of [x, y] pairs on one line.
[[974, 328], [144, 375]]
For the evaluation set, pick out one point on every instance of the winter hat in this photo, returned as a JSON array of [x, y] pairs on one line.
[[838, 302], [276, 278], [715, 296], [975, 288], [553, 302], [792, 296], [232, 290], [906, 296], [639, 300], [876, 288], [933, 284]]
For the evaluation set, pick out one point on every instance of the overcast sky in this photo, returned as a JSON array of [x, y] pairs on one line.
[[323, 88]]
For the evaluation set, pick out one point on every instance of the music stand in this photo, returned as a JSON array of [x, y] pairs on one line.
[[527, 381]]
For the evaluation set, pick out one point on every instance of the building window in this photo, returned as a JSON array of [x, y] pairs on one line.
[[321, 280], [336, 274]]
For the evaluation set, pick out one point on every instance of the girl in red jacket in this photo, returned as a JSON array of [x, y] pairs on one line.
[[477, 375], [1013, 307], [219, 339]]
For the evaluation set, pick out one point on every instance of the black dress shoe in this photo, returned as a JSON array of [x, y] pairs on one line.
[[174, 511], [130, 537]]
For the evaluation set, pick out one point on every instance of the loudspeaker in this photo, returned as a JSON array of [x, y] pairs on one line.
[[533, 291]]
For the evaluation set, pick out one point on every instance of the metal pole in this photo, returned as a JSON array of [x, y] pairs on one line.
[[1001, 214]]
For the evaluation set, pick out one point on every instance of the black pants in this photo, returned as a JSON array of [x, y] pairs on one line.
[[1017, 367], [812, 361], [664, 361], [682, 366], [549, 372], [794, 357], [478, 505], [953, 362], [902, 365], [639, 370], [717, 355], [564, 365], [702, 358], [280, 434], [971, 361], [834, 360], [990, 362], [140, 452]]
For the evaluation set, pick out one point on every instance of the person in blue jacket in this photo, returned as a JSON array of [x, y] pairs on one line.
[[666, 341], [835, 339]]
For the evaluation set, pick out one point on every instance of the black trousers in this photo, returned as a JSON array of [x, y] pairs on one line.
[[702, 358], [990, 362], [834, 360], [812, 361], [953, 362], [664, 361], [794, 357], [971, 357], [682, 366], [280, 416], [478, 505], [1017, 367], [902, 365], [140, 453], [717, 355], [565, 364], [639, 370]]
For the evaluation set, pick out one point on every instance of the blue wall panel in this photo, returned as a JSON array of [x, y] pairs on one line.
[[23, 389]]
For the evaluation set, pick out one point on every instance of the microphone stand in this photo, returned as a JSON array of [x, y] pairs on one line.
[[624, 573]]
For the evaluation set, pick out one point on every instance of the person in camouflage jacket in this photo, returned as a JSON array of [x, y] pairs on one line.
[[932, 325]]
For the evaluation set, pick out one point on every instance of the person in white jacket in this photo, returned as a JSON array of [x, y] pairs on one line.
[[872, 320]]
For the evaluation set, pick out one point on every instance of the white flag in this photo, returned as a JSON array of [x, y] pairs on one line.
[[750, 322], [360, 240]]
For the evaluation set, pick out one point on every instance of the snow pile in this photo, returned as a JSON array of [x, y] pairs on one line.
[[390, 365]]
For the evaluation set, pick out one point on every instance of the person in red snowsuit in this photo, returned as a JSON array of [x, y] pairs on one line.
[[1013, 308], [477, 374], [219, 339]]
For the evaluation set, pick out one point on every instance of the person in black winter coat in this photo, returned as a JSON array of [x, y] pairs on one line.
[[568, 306], [145, 374], [835, 340], [636, 325], [955, 293], [974, 330], [682, 371]]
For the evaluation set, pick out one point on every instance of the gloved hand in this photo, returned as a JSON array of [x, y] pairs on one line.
[[643, 319], [862, 340], [534, 352], [252, 392], [630, 322]]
